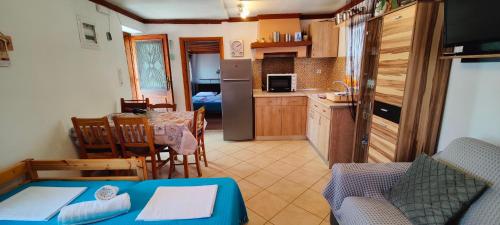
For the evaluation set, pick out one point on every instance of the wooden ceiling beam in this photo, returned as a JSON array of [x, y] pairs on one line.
[[219, 21]]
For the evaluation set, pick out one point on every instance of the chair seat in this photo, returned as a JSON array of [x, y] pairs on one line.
[[369, 211]]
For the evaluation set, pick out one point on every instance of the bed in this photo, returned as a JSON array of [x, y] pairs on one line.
[[229, 206], [210, 100]]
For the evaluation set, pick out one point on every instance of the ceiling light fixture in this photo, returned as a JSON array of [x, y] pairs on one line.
[[243, 11]]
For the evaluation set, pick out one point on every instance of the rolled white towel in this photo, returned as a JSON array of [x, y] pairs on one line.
[[93, 211]]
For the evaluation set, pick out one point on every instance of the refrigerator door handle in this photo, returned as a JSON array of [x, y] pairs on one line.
[[235, 79]]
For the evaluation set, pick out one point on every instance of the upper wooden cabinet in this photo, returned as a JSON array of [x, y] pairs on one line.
[[325, 39]]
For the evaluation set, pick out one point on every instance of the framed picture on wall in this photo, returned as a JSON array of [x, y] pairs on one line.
[[87, 32]]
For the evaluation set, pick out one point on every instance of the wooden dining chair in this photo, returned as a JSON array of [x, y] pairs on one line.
[[197, 129], [95, 139], [136, 139], [163, 107], [128, 106]]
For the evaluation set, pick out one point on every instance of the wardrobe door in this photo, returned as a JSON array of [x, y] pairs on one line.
[[397, 32]]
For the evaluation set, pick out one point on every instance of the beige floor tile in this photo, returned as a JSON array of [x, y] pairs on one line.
[[244, 155], [261, 161], [229, 149], [226, 162], [320, 184], [226, 174], [266, 204], [254, 218], [313, 202], [213, 155], [268, 223], [317, 166], [287, 190], [307, 154], [295, 160], [275, 154], [248, 190], [326, 221], [293, 215], [280, 168], [263, 179], [261, 147], [304, 177], [243, 169]]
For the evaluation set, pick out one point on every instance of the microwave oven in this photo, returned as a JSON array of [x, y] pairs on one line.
[[286, 82]]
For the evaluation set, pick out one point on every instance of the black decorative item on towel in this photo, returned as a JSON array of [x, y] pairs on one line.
[[433, 193]]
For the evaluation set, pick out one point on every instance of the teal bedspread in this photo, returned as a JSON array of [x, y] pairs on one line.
[[229, 205]]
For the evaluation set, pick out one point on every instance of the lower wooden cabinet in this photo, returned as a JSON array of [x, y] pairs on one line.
[[280, 117], [330, 129]]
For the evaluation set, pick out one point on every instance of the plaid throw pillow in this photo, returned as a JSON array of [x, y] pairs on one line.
[[433, 193]]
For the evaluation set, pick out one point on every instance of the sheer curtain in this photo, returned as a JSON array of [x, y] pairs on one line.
[[355, 36]]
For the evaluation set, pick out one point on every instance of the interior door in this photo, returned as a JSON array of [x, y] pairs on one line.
[[152, 76]]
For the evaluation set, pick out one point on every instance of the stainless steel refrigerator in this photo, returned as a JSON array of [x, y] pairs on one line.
[[237, 102]]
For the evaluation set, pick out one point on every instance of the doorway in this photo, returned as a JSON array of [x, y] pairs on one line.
[[201, 57], [149, 67]]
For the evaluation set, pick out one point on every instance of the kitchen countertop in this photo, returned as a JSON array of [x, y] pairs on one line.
[[312, 94]]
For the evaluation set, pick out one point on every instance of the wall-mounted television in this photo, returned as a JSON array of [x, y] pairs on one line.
[[474, 24]]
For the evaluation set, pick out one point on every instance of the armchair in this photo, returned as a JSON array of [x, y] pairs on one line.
[[355, 190]]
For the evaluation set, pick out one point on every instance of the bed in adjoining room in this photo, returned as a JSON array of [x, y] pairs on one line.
[[210, 100]]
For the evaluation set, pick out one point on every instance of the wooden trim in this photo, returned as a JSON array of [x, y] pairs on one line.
[[27, 170], [166, 58], [219, 21], [280, 44], [369, 70], [130, 65], [119, 10], [184, 21], [184, 61], [278, 16], [317, 16]]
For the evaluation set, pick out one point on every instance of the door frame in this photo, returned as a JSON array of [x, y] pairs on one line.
[[185, 76], [132, 62]]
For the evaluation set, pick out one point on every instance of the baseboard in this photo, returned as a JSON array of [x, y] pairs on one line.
[[280, 138]]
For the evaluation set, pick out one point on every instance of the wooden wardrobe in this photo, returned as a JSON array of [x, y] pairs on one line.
[[403, 84]]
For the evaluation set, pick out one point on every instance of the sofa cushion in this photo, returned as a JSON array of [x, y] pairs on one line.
[[433, 193], [369, 211]]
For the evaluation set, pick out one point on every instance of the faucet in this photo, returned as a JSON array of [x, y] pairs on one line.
[[347, 89]]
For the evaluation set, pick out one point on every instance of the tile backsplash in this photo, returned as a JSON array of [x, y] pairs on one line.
[[312, 73]]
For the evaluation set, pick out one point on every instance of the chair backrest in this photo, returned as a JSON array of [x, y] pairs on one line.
[[480, 159], [128, 106], [163, 107], [94, 134], [134, 132], [198, 122]]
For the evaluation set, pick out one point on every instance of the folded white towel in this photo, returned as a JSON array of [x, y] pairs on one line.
[[93, 211], [173, 203]]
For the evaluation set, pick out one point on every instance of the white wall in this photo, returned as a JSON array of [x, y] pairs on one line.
[[246, 31], [205, 66], [472, 104], [52, 78]]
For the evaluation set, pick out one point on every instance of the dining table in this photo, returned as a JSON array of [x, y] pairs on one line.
[[169, 128]]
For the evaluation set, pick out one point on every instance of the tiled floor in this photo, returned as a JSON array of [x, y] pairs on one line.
[[281, 181]]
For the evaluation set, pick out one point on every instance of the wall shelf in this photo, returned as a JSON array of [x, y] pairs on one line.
[[280, 44], [483, 56]]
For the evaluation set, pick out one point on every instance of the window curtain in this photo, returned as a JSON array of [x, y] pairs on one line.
[[355, 36]]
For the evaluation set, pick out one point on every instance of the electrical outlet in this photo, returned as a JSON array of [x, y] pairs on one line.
[[318, 71]]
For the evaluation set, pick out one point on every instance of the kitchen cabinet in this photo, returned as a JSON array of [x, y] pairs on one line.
[[280, 118], [325, 39], [330, 130]]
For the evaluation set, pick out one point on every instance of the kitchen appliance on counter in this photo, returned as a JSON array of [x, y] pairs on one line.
[[237, 105], [286, 82]]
